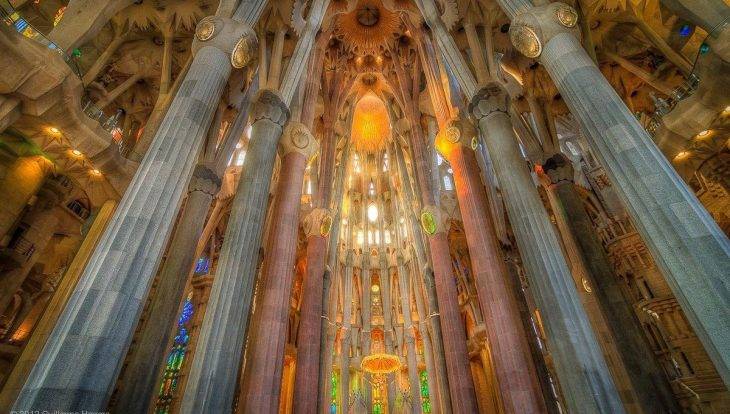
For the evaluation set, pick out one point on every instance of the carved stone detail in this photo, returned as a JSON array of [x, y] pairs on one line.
[[534, 27], [492, 98], [269, 105], [234, 38], [559, 169], [458, 131], [297, 138], [204, 180], [431, 221], [316, 222]]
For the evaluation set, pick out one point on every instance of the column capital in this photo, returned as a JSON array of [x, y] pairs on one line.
[[492, 98], [297, 138], [534, 27], [317, 222], [236, 39], [457, 131], [559, 169], [268, 104], [204, 180]]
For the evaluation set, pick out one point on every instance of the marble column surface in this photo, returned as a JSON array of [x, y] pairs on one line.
[[212, 379], [261, 387], [82, 358], [516, 378], [582, 372], [686, 243], [644, 373], [141, 376]]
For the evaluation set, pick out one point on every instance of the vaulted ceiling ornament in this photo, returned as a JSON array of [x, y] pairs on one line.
[[368, 28]]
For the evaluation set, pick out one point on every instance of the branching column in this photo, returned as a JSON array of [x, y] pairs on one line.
[[100, 317], [517, 380], [346, 335], [582, 371], [265, 355], [686, 243]]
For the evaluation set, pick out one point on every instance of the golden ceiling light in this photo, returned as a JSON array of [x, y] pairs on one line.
[[76, 153], [705, 133], [681, 155], [54, 130], [95, 172], [370, 124]]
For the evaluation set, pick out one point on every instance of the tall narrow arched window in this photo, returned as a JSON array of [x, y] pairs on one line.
[[175, 359]]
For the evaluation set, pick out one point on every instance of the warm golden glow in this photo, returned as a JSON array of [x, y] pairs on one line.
[[681, 155], [380, 363], [370, 124], [76, 153]]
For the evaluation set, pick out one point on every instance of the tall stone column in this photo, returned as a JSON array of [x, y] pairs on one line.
[[644, 373], [409, 333], [514, 368], [261, 387], [582, 371], [429, 285], [45, 325], [388, 332], [365, 302], [329, 297], [686, 243], [212, 381], [310, 329], [42, 220], [141, 375], [94, 331], [346, 335]]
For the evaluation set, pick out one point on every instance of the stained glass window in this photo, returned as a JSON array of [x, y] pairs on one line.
[[175, 358], [333, 393], [202, 266], [425, 397]]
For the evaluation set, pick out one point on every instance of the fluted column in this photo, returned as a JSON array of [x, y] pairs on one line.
[[429, 285], [265, 355], [389, 334], [212, 380], [582, 371], [514, 368], [644, 373], [141, 374], [366, 306], [329, 299], [409, 333], [102, 313], [686, 243], [310, 328]]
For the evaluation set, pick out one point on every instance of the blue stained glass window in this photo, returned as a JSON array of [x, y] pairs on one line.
[[202, 266], [175, 359]]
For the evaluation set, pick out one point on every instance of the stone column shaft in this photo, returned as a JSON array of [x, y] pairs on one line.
[[644, 373], [582, 371], [141, 376], [514, 368], [310, 326], [409, 335], [346, 333], [686, 243], [94, 331], [45, 325], [442, 377], [265, 355], [212, 381]]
